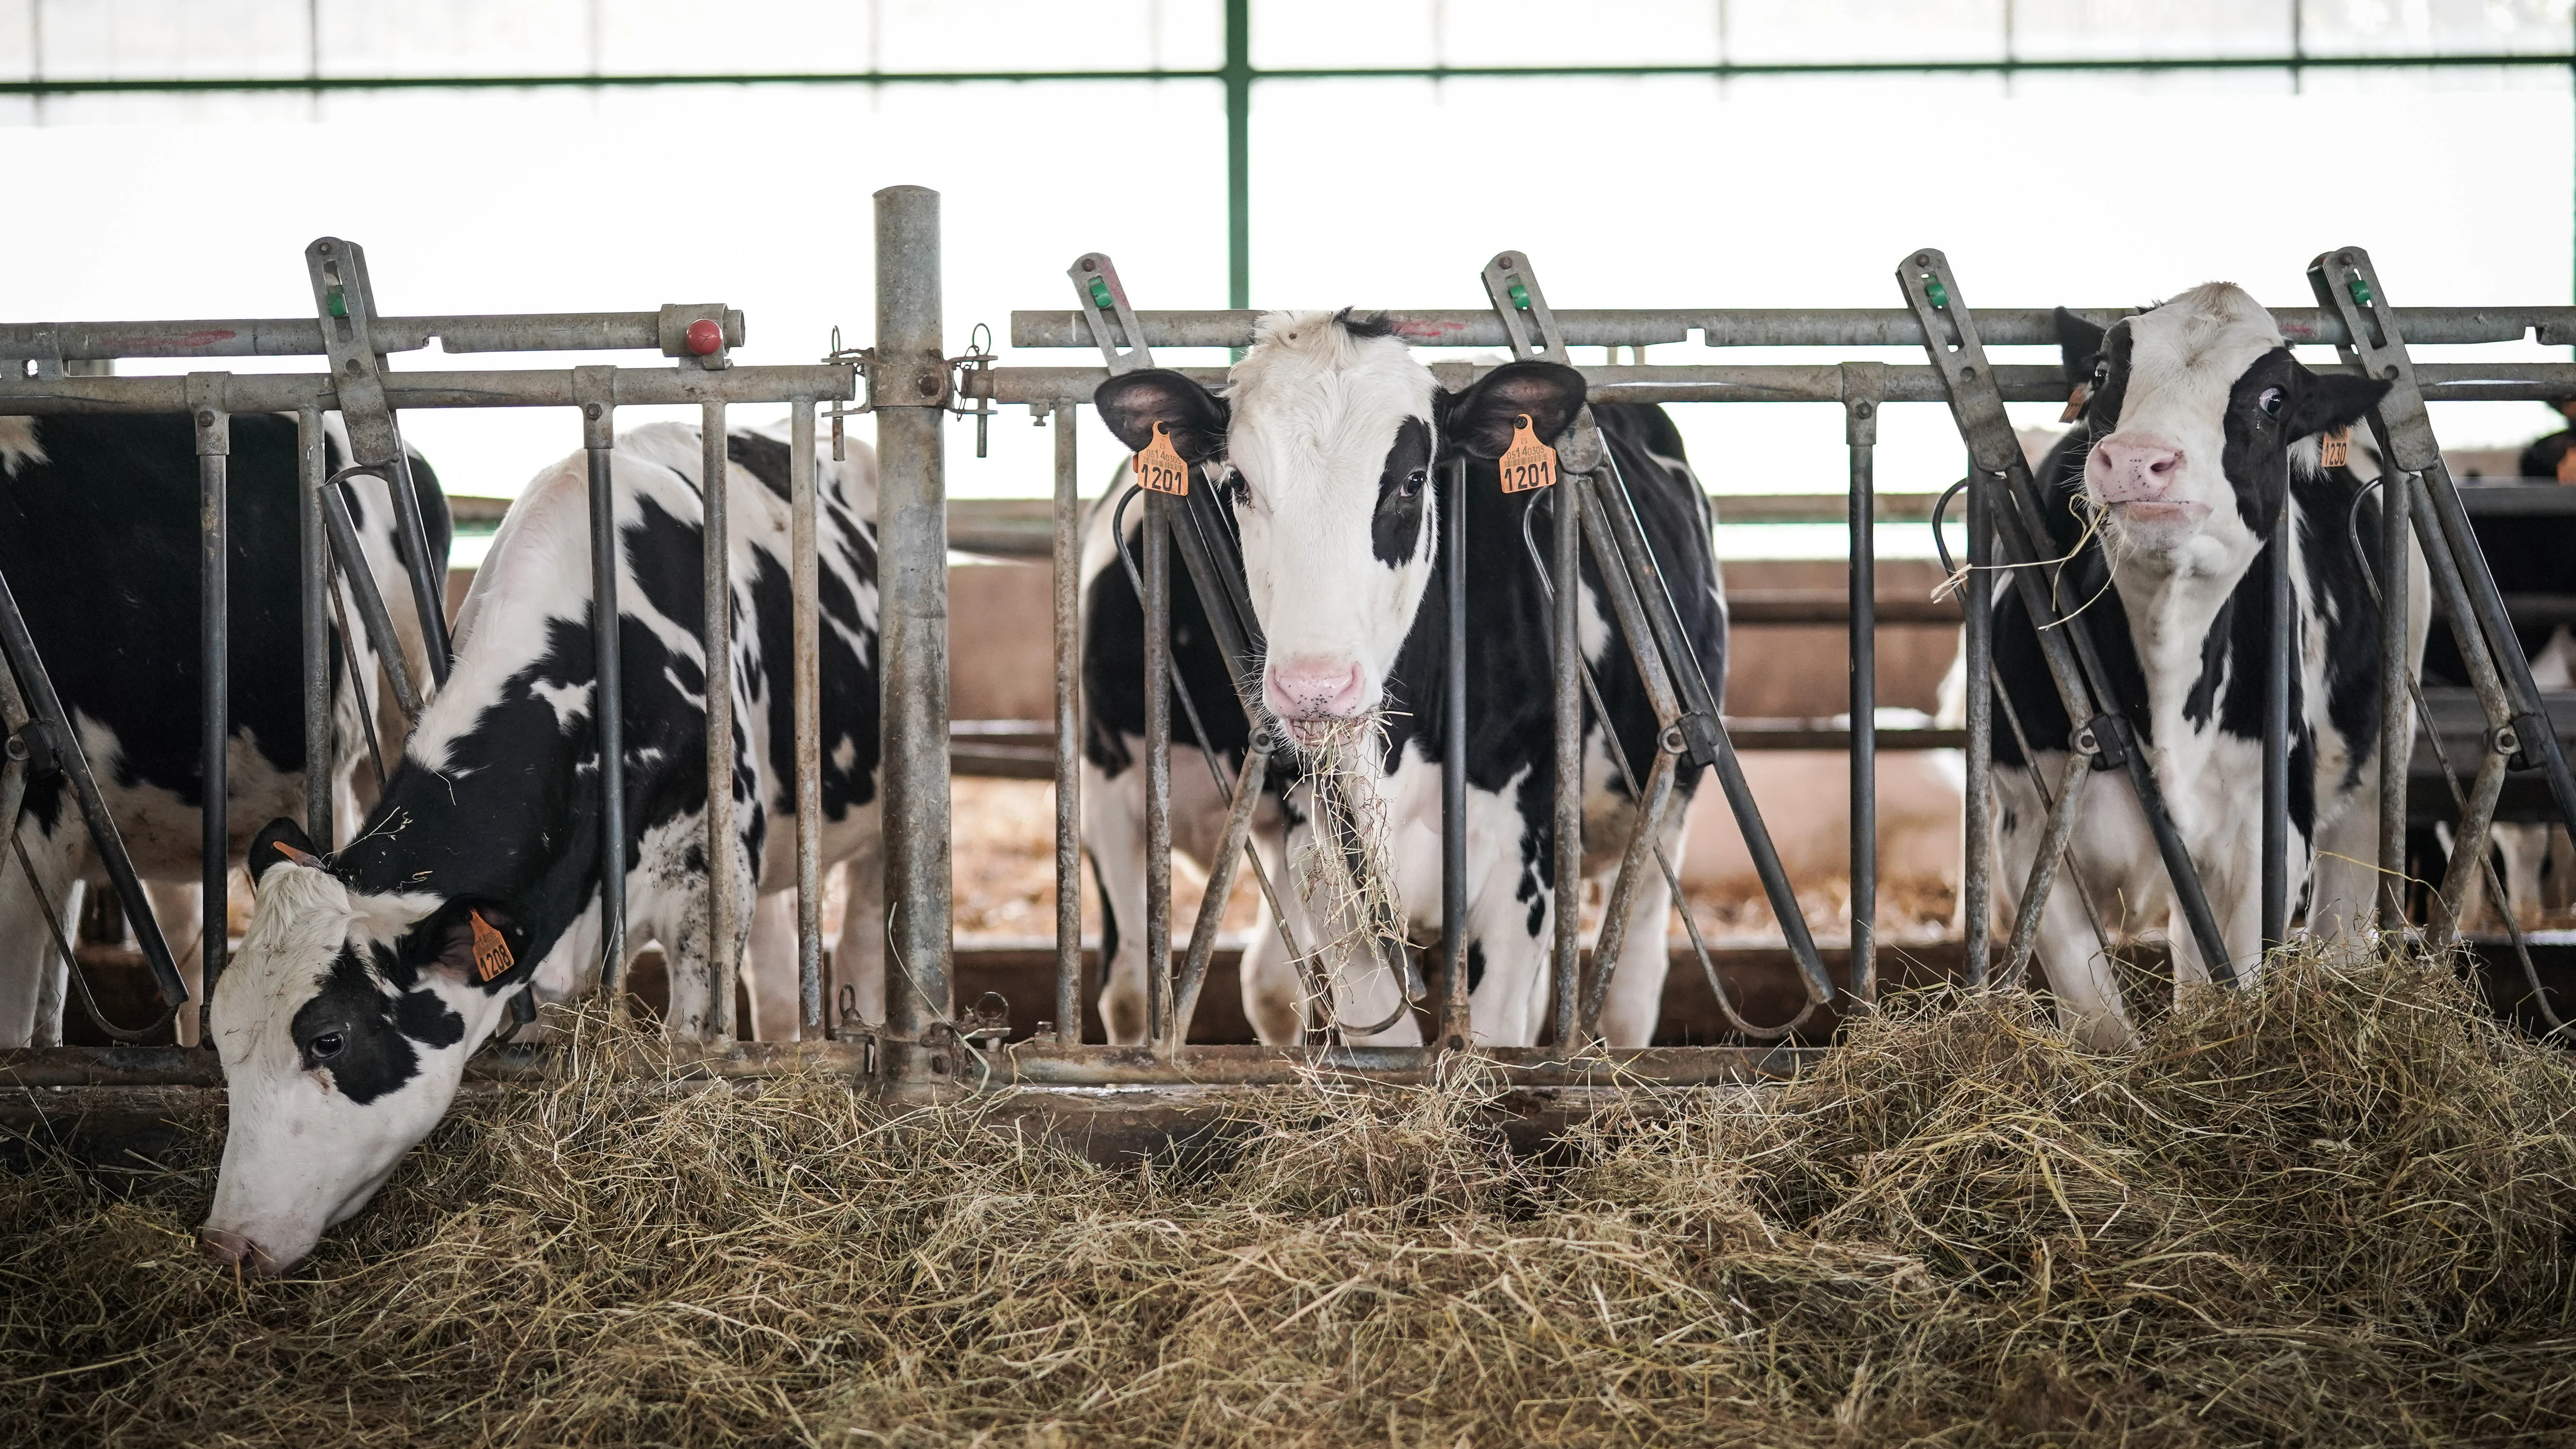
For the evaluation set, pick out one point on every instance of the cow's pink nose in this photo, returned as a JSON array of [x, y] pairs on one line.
[[1314, 689], [2134, 470], [235, 1251]]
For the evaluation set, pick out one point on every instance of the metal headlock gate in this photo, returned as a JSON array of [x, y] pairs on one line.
[[912, 382], [39, 375]]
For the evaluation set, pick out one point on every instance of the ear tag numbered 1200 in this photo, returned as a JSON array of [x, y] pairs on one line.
[[491, 953], [1159, 468], [1527, 463]]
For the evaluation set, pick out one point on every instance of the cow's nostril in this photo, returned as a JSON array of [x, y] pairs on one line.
[[2165, 464], [236, 1251]]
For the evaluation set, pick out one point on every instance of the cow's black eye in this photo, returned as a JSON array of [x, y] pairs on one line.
[[1412, 484], [2101, 376], [322, 1048], [2271, 402]]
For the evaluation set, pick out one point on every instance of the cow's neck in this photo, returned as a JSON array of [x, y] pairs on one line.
[[2172, 603]]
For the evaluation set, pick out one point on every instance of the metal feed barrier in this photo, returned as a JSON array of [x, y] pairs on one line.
[[911, 382], [42, 372]]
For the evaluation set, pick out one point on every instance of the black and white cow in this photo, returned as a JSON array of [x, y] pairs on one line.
[[99, 543], [368, 978], [2200, 427], [1326, 448]]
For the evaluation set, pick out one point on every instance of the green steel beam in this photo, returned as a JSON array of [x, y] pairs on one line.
[[1238, 153], [1239, 73]]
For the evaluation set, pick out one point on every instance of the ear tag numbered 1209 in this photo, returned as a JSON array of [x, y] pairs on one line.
[[1528, 463], [1159, 468], [491, 952], [2334, 448]]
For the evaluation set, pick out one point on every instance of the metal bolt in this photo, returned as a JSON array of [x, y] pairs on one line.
[[590, 410], [1089, 265], [1863, 409], [2344, 257], [1922, 259], [2389, 372], [1967, 374], [939, 1066], [1672, 742], [1457, 1043], [205, 420], [927, 385], [2506, 741], [354, 367], [15, 748]]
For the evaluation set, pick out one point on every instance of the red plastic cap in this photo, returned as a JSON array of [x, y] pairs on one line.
[[706, 336]]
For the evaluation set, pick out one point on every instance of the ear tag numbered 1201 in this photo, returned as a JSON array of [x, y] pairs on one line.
[[1528, 463], [491, 952], [1159, 468]]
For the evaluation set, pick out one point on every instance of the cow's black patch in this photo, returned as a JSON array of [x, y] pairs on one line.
[[1403, 489], [1475, 964], [1365, 326], [763, 457], [99, 544], [360, 1033]]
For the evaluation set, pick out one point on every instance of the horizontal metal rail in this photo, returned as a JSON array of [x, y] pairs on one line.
[[1789, 382], [1792, 326], [505, 388], [302, 336]]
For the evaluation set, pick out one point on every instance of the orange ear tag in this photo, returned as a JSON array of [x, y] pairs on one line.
[[491, 953], [2334, 448], [2075, 402], [1159, 468], [1528, 463], [2567, 466]]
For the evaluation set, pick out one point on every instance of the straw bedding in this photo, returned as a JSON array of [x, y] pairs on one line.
[[2338, 1211]]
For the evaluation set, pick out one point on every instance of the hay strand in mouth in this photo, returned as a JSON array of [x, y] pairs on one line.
[[1344, 873], [2336, 1209]]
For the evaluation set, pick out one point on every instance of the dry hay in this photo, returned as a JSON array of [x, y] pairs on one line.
[[2338, 1211]]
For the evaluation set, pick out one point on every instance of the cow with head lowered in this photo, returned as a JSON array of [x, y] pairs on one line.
[[2199, 428], [1324, 450], [370, 974], [99, 543]]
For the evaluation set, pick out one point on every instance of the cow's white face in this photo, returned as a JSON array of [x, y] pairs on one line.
[[1326, 444], [339, 1054], [2195, 406]]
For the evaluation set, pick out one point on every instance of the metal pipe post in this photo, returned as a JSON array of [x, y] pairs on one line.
[[2396, 718], [805, 567], [724, 925], [1454, 1020], [214, 640], [313, 561], [608, 699], [912, 580], [1862, 384], [2276, 738], [1158, 764], [1068, 728], [1976, 600], [1567, 569]]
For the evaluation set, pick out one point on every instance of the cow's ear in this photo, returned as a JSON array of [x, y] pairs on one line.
[[480, 944], [2078, 343], [1133, 402], [2333, 400], [280, 842], [1480, 420]]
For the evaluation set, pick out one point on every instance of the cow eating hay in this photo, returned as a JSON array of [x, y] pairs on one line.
[[2299, 1214]]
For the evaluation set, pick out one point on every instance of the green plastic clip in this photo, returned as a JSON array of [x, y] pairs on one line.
[[1933, 291], [1100, 294], [1519, 295], [337, 301], [2359, 286]]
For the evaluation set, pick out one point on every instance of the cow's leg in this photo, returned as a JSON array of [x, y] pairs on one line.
[[859, 952], [1636, 999], [1113, 830], [53, 979], [769, 961], [2343, 905], [27, 953], [1274, 995], [2065, 951], [174, 906]]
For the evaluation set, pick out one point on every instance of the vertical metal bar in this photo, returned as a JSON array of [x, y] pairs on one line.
[[2282, 648], [1158, 764], [596, 389], [1567, 569], [1862, 387], [1238, 154], [1454, 1020], [805, 589], [912, 572], [313, 561], [2396, 719], [1976, 601], [724, 925], [214, 642], [1211, 917], [1068, 728], [2462, 875]]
